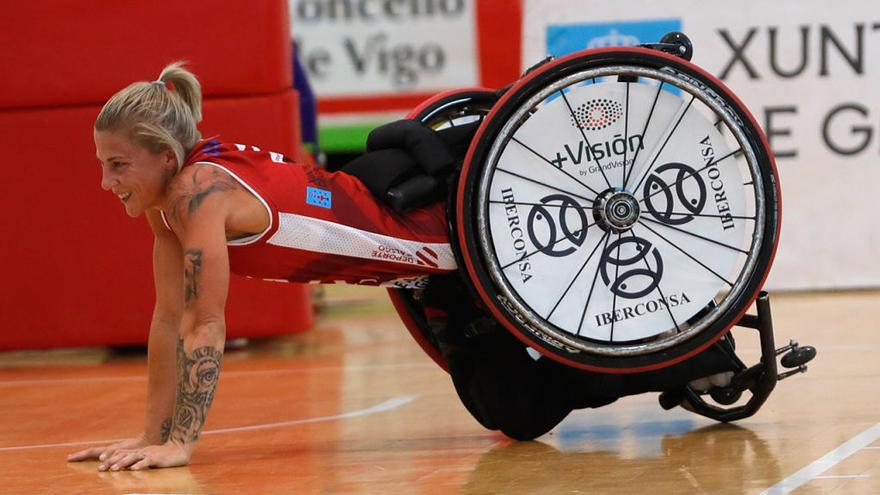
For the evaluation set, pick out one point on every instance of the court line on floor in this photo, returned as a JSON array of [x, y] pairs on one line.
[[392, 403], [230, 374], [385, 406], [826, 462]]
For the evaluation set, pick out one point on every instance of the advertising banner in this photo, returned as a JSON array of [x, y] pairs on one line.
[[808, 72], [369, 61], [353, 48]]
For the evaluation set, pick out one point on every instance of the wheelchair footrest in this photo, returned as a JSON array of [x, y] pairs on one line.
[[759, 379]]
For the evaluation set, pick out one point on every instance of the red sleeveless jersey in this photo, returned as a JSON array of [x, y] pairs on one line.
[[326, 227]]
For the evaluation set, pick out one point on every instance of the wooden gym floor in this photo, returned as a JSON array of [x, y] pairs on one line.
[[355, 407]]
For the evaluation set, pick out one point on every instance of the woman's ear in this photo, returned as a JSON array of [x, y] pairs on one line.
[[169, 158]]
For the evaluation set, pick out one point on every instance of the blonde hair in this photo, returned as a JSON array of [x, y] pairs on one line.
[[159, 114]]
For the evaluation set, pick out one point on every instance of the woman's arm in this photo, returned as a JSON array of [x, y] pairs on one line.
[[203, 331], [198, 213], [164, 331], [161, 348]]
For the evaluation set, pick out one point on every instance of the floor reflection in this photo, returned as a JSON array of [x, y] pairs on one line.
[[720, 458], [177, 480]]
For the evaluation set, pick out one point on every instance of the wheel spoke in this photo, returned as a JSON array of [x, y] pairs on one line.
[[553, 166], [665, 142], [593, 284], [644, 130], [626, 136], [523, 203], [659, 290], [578, 274], [658, 234], [698, 236], [529, 255], [614, 297], [691, 174], [542, 184], [707, 215]]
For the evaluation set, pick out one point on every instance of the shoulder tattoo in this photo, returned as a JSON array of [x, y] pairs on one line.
[[189, 195]]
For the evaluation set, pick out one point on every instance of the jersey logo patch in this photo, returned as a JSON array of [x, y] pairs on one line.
[[319, 197]]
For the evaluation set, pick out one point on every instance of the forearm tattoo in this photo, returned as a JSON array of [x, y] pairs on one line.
[[198, 373], [192, 268], [165, 429]]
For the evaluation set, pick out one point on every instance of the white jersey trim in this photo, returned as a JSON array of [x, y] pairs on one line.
[[320, 236], [252, 238]]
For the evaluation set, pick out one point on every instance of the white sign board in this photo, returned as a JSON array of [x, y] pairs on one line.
[[808, 71], [385, 47]]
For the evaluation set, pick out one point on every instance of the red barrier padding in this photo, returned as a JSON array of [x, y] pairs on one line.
[[271, 122], [76, 269], [499, 30], [72, 52]]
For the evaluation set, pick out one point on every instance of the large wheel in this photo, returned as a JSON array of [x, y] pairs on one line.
[[618, 210], [444, 110]]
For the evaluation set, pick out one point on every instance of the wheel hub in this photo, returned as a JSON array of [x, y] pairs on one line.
[[616, 210]]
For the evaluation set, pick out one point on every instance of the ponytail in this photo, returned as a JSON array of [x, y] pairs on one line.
[[184, 83]]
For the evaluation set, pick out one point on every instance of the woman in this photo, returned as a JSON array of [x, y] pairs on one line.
[[216, 207]]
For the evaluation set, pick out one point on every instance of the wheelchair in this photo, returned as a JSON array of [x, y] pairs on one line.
[[617, 210]]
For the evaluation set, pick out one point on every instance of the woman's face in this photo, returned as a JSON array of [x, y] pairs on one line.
[[133, 173]]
